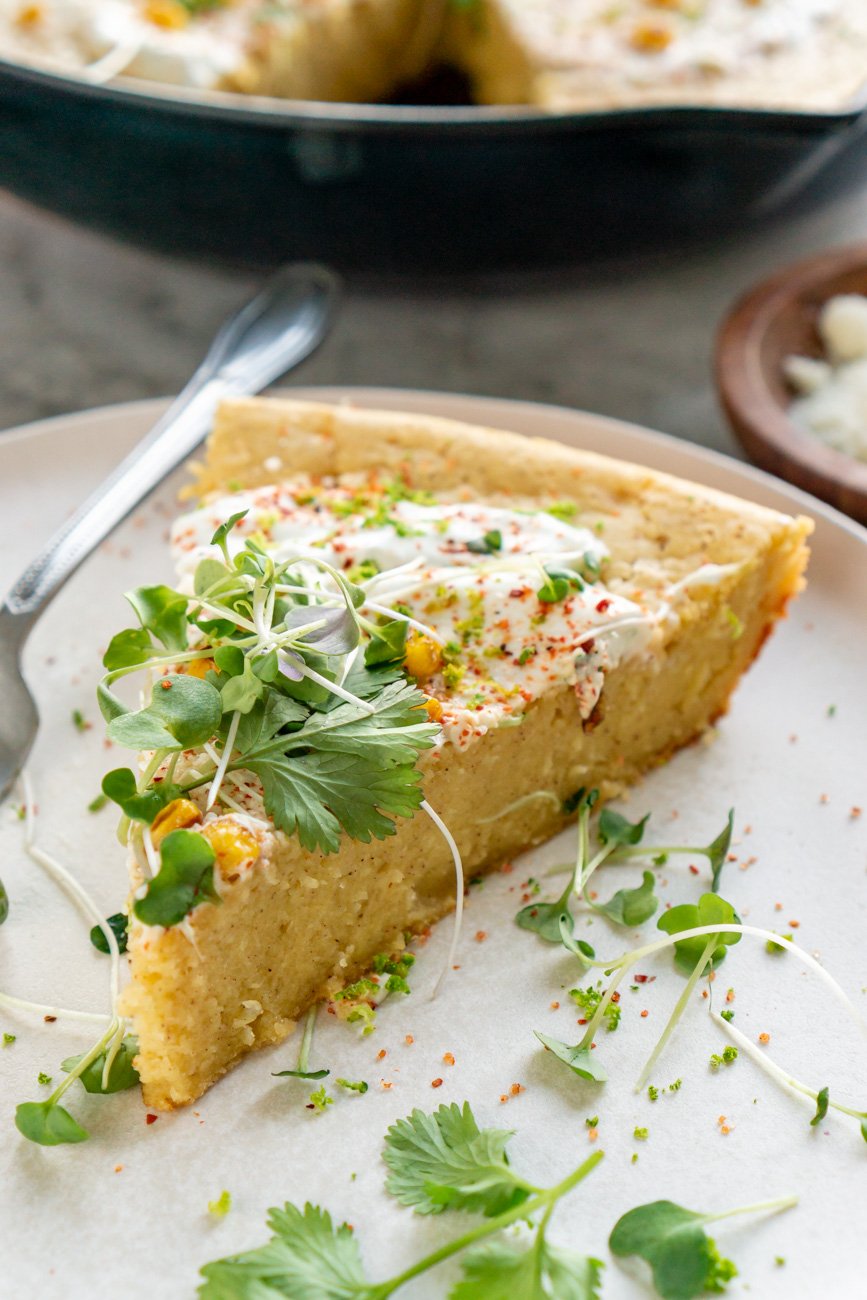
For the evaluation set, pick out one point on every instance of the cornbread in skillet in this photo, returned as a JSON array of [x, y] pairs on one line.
[[563, 55], [709, 575]]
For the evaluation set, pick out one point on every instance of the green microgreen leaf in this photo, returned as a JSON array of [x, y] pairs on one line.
[[445, 1161], [387, 644], [121, 1076], [120, 786], [353, 1085], [241, 692], [558, 584], [489, 544], [222, 533], [684, 1260], [184, 712], [300, 1074], [717, 850], [119, 926], [128, 648], [631, 906], [822, 1101], [221, 1206], [4, 903], [185, 879], [163, 613], [48, 1124], [709, 910], [581, 1060], [615, 830]]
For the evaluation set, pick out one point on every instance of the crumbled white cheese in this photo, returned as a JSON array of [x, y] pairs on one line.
[[832, 393]]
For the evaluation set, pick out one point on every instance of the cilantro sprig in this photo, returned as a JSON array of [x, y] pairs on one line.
[[439, 1162]]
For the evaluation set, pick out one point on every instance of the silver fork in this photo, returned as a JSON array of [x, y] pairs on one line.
[[275, 331]]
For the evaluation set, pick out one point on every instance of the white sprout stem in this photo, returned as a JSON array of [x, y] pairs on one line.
[[222, 612], [337, 690], [548, 795], [775, 1071], [307, 1038], [388, 612], [779, 1203], [348, 663], [153, 857], [67, 881], [224, 760], [55, 1013], [680, 1007], [459, 892], [111, 64]]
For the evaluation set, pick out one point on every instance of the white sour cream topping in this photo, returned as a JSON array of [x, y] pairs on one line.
[[501, 646]]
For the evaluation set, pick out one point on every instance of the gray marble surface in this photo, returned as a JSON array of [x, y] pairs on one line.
[[85, 321]]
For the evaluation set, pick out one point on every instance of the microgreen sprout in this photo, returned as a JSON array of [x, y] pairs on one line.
[[302, 1069], [618, 839], [820, 1096], [684, 1260]]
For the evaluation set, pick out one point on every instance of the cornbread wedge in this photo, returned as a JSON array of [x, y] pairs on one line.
[[707, 574]]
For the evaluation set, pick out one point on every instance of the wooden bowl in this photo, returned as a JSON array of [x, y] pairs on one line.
[[775, 319]]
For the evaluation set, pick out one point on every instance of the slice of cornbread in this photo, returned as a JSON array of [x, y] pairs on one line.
[[712, 574]]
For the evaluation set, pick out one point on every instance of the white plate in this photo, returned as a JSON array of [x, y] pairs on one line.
[[125, 1214]]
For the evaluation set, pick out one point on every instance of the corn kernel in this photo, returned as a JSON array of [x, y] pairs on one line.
[[199, 667], [30, 16], [176, 816], [166, 13], [234, 845], [651, 38], [423, 656], [434, 710]]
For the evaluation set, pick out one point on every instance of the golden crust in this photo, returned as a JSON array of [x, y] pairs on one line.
[[237, 976]]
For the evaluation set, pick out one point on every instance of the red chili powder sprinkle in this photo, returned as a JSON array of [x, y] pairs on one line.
[[481, 936], [448, 1058], [645, 1014], [436, 1083], [764, 1038], [151, 1119], [409, 1040]]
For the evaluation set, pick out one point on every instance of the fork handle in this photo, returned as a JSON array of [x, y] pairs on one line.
[[274, 332]]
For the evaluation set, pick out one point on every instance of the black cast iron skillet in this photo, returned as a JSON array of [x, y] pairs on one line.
[[396, 187]]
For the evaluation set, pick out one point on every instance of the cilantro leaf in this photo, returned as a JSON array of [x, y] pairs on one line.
[[581, 1060], [687, 916], [183, 712], [614, 829], [121, 1076], [445, 1161], [317, 795], [307, 1258], [185, 879], [163, 613], [631, 906], [119, 926], [48, 1124], [683, 1259], [822, 1102], [505, 1271]]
